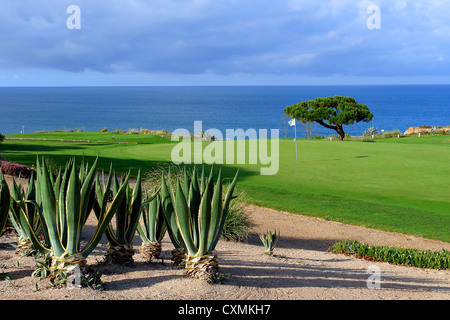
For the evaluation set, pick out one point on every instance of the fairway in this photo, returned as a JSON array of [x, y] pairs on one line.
[[396, 185]]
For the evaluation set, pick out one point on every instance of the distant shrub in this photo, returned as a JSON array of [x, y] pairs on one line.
[[370, 132], [162, 133], [133, 131], [392, 134], [367, 139], [2, 137], [15, 169], [333, 137], [319, 137], [145, 131], [336, 137], [104, 129]]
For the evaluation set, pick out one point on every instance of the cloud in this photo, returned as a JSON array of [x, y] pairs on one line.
[[309, 38]]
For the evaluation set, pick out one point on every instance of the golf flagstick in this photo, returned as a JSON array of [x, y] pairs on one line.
[[292, 122]]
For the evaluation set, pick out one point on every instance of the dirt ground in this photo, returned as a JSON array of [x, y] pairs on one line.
[[301, 268]]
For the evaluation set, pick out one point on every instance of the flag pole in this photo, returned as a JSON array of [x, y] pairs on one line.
[[296, 152], [291, 123]]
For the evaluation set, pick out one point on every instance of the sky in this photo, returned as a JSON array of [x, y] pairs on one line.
[[223, 42]]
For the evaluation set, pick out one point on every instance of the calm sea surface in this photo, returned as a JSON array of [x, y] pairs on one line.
[[92, 108]]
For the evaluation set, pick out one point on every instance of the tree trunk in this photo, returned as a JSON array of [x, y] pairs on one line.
[[340, 132], [337, 127]]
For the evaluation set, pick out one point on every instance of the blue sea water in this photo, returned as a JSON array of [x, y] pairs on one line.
[[228, 107]]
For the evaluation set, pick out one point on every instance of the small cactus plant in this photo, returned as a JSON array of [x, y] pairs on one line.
[[269, 240]]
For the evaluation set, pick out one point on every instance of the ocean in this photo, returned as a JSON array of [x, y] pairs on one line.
[[35, 109]]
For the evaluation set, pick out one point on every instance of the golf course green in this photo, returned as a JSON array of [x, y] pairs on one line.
[[399, 185]]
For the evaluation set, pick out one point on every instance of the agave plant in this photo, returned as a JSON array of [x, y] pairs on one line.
[[195, 215], [120, 246], [5, 202], [66, 203], [24, 205], [153, 227], [269, 240]]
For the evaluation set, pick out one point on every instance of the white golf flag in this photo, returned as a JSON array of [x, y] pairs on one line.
[[291, 122]]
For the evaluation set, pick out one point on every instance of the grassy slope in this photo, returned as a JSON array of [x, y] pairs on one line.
[[395, 184]]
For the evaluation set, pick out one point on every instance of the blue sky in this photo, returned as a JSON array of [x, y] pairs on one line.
[[223, 42]]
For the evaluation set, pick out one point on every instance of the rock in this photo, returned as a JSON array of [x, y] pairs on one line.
[[425, 129]]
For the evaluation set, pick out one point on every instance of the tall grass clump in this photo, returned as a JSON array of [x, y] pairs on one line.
[[237, 223]]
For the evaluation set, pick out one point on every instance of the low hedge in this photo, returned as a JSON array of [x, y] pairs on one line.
[[396, 255]]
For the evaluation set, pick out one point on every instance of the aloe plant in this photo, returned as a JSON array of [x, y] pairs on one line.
[[269, 240], [195, 214], [5, 202], [120, 247], [153, 227], [24, 205], [66, 202]]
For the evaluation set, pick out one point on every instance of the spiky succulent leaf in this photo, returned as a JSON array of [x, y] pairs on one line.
[[73, 213], [5, 198], [167, 202], [226, 206], [135, 210], [50, 212], [217, 213], [183, 219], [153, 227], [107, 216], [204, 222], [23, 205]]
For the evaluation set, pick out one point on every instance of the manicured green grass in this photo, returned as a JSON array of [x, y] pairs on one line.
[[393, 184], [99, 137]]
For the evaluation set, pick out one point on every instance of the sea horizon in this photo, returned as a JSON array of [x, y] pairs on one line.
[[91, 108]]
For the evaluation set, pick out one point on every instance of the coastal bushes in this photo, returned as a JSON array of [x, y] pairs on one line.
[[15, 169], [393, 134], [396, 255]]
